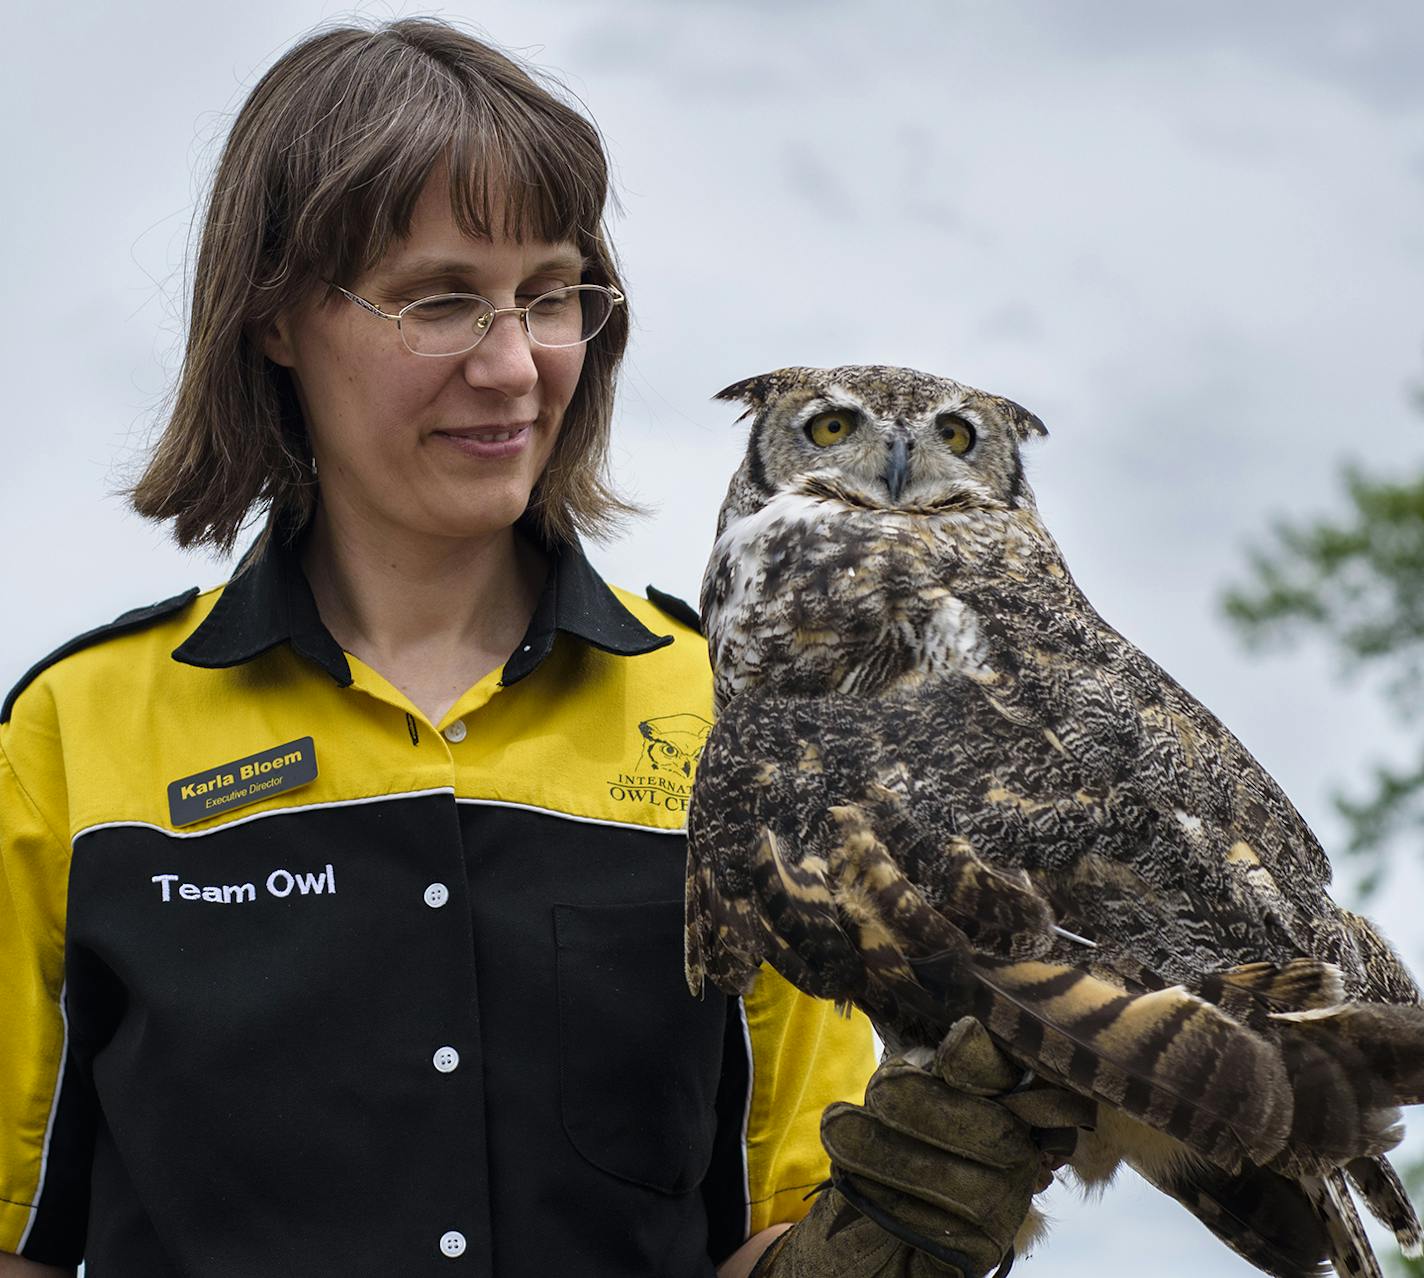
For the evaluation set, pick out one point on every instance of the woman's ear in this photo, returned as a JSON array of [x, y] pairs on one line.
[[275, 339]]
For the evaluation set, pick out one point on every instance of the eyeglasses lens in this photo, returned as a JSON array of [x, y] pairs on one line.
[[445, 325], [568, 316], [453, 324]]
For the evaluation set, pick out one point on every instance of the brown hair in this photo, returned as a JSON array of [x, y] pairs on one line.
[[320, 172]]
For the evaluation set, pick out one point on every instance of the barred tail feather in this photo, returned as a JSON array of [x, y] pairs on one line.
[[1345, 1112], [1387, 1038], [1265, 1218], [1382, 1192], [1350, 1250], [1165, 1057], [1297, 985]]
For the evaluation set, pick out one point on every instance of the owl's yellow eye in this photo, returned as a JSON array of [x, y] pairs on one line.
[[957, 433], [825, 429]]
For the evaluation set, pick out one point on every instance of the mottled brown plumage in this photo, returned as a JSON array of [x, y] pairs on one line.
[[941, 784]]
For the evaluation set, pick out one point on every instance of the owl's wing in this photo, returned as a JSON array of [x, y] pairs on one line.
[[1182, 803], [1387, 980], [846, 842]]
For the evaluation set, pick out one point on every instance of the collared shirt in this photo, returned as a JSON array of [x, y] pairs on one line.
[[296, 982]]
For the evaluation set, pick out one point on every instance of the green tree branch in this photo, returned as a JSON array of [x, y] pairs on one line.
[[1355, 583]]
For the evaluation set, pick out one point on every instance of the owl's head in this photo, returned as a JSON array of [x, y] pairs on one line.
[[879, 436]]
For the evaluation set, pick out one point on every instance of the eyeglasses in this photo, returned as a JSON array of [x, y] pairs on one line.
[[453, 323]]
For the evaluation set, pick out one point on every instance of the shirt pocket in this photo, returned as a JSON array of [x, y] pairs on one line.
[[639, 1057]]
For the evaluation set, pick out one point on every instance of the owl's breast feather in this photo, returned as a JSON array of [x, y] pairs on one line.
[[810, 595]]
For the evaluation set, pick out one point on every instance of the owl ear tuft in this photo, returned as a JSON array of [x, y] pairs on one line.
[[1024, 424], [751, 391]]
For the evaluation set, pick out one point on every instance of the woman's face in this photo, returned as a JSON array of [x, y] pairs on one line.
[[447, 447]]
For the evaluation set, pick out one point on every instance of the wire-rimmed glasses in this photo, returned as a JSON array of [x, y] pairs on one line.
[[454, 323]]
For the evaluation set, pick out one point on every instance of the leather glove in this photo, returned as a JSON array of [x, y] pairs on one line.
[[933, 1176]]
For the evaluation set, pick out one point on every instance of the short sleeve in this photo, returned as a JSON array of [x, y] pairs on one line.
[[804, 1055], [43, 1189]]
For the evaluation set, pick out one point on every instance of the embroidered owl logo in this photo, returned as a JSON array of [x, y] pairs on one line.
[[673, 743]]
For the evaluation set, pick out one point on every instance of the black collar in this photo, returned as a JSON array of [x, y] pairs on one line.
[[269, 602]]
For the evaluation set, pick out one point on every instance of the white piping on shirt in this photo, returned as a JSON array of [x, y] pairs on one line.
[[747, 1121], [375, 798], [49, 1124]]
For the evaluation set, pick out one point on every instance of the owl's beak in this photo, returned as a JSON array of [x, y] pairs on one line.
[[897, 466]]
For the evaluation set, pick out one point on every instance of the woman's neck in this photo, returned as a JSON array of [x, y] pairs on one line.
[[432, 615]]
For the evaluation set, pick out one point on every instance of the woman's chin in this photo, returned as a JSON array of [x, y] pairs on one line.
[[474, 518]]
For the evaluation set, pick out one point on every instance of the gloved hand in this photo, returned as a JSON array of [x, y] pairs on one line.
[[933, 1176]]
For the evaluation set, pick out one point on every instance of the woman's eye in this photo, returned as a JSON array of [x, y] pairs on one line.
[[437, 307], [551, 303], [530, 291], [957, 433], [826, 429]]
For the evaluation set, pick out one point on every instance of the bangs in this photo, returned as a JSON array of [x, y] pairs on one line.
[[549, 185], [521, 163]]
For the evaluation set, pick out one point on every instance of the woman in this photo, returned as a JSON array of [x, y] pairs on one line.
[[340, 923]]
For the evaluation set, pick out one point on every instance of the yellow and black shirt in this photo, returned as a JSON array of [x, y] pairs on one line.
[[295, 982]]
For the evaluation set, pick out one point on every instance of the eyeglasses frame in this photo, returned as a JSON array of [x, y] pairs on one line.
[[616, 296]]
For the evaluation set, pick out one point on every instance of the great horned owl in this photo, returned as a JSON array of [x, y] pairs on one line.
[[940, 784]]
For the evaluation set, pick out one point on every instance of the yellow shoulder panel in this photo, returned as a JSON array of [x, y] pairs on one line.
[[119, 722]]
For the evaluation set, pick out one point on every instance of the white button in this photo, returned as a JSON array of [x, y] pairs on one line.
[[456, 731], [453, 1243], [446, 1059], [436, 895]]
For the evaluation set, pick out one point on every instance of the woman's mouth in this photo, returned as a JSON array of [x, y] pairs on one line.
[[504, 440]]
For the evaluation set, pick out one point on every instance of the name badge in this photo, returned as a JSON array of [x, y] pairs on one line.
[[234, 785]]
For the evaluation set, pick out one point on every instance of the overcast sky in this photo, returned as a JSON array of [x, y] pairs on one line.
[[1190, 237]]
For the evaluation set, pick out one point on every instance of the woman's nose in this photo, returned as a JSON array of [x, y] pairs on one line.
[[504, 359]]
